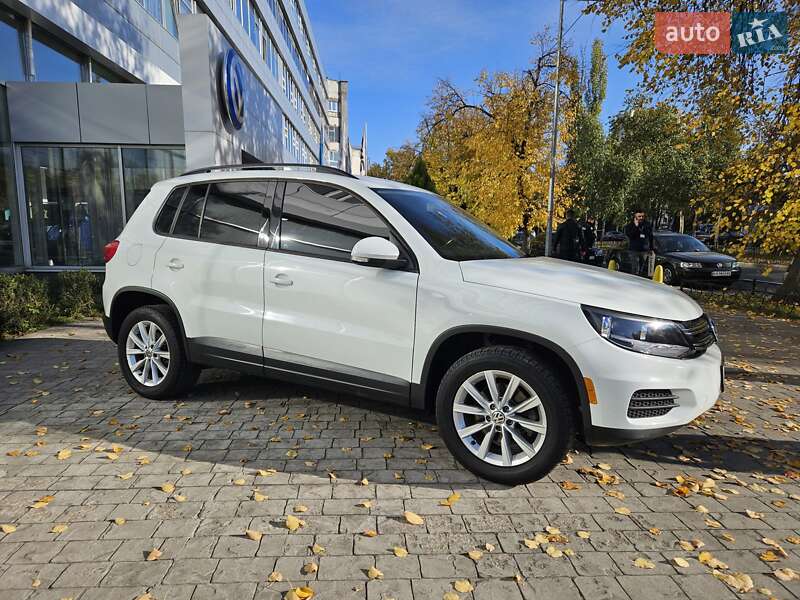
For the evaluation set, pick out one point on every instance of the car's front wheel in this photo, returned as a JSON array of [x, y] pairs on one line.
[[670, 278], [152, 356], [504, 414]]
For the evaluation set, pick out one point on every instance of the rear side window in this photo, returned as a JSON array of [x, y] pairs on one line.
[[234, 213], [188, 223], [167, 215], [325, 221]]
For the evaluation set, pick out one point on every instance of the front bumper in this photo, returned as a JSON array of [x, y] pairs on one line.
[[618, 373], [704, 275], [108, 328]]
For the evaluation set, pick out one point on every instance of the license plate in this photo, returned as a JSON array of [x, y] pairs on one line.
[[721, 273]]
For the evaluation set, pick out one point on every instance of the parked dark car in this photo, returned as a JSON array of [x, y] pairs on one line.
[[688, 261], [613, 236]]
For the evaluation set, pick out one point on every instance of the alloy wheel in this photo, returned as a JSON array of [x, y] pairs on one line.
[[499, 418], [147, 352]]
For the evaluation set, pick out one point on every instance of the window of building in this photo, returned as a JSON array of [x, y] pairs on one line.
[[188, 222], [167, 214], [54, 61], [186, 7], [333, 133], [74, 203], [142, 167], [325, 221], [10, 254], [11, 62], [333, 157], [99, 74], [234, 213], [333, 106]]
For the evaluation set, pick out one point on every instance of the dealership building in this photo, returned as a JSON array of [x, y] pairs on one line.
[[99, 99]]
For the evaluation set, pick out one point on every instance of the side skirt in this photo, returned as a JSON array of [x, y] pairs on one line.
[[214, 352]]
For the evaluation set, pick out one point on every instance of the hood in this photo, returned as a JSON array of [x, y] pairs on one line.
[[703, 257], [583, 284]]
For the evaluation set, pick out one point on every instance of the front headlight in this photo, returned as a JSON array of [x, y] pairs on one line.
[[640, 334], [690, 265], [735, 264]]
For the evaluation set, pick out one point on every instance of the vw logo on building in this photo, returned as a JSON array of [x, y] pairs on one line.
[[232, 84]]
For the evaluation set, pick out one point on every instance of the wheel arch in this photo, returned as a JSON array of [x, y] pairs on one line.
[[458, 341], [130, 298]]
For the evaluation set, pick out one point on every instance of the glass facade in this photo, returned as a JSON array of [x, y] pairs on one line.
[[142, 167], [9, 239], [53, 61], [74, 199], [74, 203], [11, 65]]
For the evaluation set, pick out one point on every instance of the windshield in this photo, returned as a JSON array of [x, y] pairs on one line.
[[680, 243], [452, 232]]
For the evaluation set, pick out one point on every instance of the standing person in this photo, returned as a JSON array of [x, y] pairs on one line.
[[640, 240], [567, 243], [588, 238]]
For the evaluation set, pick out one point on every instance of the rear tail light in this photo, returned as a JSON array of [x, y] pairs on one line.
[[109, 250]]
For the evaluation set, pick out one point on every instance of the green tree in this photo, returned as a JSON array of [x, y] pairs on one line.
[[397, 163], [756, 94], [419, 175]]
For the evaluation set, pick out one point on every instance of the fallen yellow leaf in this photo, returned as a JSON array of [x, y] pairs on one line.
[[253, 534], [413, 518], [400, 552], [451, 499], [463, 586], [643, 563], [374, 573], [293, 523], [155, 553]]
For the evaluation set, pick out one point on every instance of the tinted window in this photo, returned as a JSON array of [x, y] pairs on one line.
[[326, 221], [167, 214], [188, 223], [453, 233], [234, 213]]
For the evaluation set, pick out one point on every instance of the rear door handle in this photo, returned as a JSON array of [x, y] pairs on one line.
[[175, 264], [281, 279]]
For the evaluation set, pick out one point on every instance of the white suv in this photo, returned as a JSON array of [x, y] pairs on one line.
[[376, 288]]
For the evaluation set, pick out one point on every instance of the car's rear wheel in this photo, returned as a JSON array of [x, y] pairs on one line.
[[151, 354], [504, 414]]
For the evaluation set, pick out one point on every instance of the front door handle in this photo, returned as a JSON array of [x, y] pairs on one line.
[[281, 279], [175, 264]]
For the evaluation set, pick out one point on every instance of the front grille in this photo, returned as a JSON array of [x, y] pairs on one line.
[[651, 403], [699, 333]]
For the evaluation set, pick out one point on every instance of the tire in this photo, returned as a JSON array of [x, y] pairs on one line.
[[173, 375], [555, 411], [670, 278]]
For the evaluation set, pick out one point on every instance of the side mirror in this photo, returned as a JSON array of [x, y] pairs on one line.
[[377, 252]]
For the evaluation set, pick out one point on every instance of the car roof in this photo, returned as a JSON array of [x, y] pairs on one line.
[[296, 173]]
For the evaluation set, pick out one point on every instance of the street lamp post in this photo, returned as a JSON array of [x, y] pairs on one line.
[[554, 141]]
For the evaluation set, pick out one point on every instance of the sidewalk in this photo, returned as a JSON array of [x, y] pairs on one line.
[[93, 479]]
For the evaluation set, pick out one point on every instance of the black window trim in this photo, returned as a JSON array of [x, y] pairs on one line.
[[261, 243], [277, 214]]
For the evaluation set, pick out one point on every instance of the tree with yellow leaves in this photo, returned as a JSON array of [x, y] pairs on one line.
[[487, 152]]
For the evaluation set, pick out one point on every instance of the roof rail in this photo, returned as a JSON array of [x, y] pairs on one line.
[[272, 167]]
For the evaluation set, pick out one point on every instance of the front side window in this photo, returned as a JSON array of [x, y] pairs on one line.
[[325, 221], [452, 232], [188, 223], [680, 243], [234, 213]]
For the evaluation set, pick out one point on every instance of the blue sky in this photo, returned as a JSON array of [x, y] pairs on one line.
[[393, 51]]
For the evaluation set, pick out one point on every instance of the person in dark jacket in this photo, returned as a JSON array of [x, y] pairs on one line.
[[639, 233], [640, 241], [568, 241]]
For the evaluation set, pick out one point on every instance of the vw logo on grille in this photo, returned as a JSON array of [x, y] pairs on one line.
[[232, 88], [719, 264]]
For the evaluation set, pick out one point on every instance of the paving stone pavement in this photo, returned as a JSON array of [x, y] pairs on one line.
[[94, 478]]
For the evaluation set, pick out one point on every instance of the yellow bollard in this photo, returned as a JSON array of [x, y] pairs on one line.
[[658, 274], [612, 265]]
